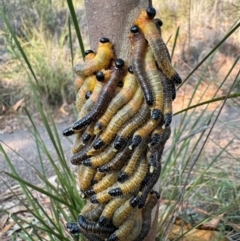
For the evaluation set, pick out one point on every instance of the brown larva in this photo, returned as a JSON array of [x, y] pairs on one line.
[[105, 96], [125, 94], [139, 47], [146, 22]]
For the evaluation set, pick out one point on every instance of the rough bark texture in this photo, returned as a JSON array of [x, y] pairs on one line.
[[112, 19]]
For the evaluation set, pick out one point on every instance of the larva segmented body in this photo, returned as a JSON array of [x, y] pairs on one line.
[[136, 230], [102, 158], [129, 169], [167, 90], [125, 94], [105, 96], [122, 232], [95, 213], [106, 182], [92, 227], [117, 162], [124, 211], [146, 216], [100, 61], [133, 183], [134, 123], [110, 209], [119, 119], [146, 22], [156, 85], [88, 85], [139, 47], [85, 175]]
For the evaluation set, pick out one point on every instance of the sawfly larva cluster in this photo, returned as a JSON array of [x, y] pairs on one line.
[[124, 117]]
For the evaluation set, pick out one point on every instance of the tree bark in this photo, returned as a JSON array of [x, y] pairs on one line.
[[112, 19]]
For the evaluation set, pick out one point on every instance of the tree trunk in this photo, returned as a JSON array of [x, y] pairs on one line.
[[112, 19]]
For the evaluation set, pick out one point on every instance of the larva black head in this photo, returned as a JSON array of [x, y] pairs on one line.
[[134, 29], [130, 69], [159, 22], [98, 144], [93, 199], [100, 76], [119, 143], [89, 51], [151, 12], [157, 194], [120, 84], [86, 137], [122, 176], [115, 192], [113, 237], [87, 162], [103, 169], [90, 192], [68, 131], [119, 63], [135, 201], [88, 94], [73, 228], [136, 141], [156, 114], [104, 40], [103, 221]]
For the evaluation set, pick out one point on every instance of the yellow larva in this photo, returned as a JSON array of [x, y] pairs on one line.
[[124, 211], [119, 119], [102, 158], [88, 85], [110, 209], [85, 176], [156, 85], [106, 182], [100, 61], [122, 232], [133, 183], [143, 132], [136, 230]]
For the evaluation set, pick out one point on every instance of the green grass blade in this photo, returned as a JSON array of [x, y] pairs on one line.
[[76, 26], [21, 181], [175, 42], [70, 39], [211, 52]]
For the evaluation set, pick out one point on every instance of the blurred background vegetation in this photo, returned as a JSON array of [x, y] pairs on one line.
[[43, 31], [200, 164]]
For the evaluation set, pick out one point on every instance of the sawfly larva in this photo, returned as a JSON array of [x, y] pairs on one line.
[[105, 96], [129, 110], [110, 209], [124, 211], [147, 24], [126, 93], [139, 47], [100, 61], [133, 183], [130, 167], [134, 123]]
